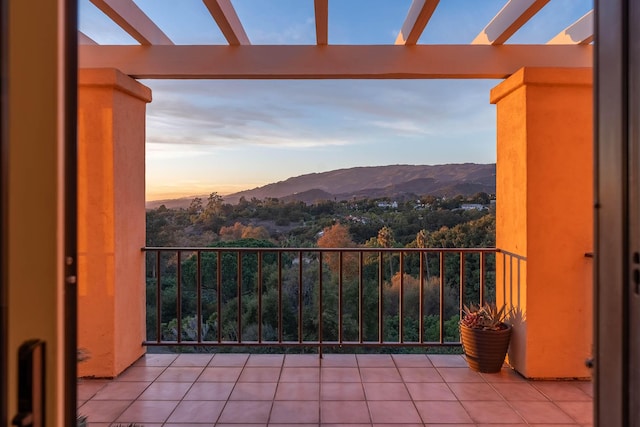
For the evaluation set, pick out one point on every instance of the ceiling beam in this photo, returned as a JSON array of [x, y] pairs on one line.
[[417, 19], [227, 19], [133, 20], [322, 21], [510, 19], [331, 62], [85, 39], [580, 32]]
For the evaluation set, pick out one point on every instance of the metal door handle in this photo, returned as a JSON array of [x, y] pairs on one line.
[[23, 420], [31, 384]]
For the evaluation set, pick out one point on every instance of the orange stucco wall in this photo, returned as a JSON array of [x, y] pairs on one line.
[[111, 220], [544, 223]]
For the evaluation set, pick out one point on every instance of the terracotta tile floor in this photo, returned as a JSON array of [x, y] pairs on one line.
[[341, 390]]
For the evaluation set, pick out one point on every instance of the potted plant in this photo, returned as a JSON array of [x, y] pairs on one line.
[[485, 337]]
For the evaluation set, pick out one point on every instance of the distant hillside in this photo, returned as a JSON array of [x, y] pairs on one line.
[[182, 202], [395, 181]]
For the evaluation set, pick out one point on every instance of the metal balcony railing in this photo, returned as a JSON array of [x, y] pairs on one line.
[[312, 297]]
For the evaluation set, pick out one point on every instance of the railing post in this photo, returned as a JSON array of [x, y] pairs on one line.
[[239, 293], [360, 299], [340, 297], [461, 280], [421, 305], [259, 256], [219, 295], [481, 290], [401, 301], [442, 276], [199, 295], [179, 297], [300, 300], [380, 298], [280, 324], [320, 308], [158, 298]]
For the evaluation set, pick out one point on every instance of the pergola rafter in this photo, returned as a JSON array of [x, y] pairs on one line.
[[417, 19], [133, 20], [228, 22], [580, 32], [322, 21], [510, 19]]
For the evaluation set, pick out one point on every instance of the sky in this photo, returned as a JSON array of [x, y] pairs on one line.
[[223, 136]]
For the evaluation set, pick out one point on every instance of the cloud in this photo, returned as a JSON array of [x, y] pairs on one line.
[[156, 150], [296, 33], [295, 113], [404, 127]]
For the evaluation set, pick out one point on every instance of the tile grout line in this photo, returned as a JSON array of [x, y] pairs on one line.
[[136, 399], [555, 403], [446, 383], [507, 401], [413, 402], [189, 389], [275, 391], [548, 399], [244, 365]]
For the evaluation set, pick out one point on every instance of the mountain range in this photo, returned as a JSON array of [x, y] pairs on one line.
[[397, 182]]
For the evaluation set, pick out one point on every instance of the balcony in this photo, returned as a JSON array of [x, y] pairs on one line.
[[540, 270], [339, 389], [365, 326]]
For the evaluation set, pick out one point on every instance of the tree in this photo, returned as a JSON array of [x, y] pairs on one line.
[[385, 237], [213, 214], [195, 209], [258, 233], [422, 242], [386, 240], [337, 236], [233, 232], [482, 197], [239, 231]]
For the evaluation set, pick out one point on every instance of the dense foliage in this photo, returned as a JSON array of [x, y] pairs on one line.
[[243, 302]]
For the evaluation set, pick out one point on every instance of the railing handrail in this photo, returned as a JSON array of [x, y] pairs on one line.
[[309, 249]]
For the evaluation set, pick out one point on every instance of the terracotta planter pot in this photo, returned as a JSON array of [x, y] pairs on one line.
[[485, 350]]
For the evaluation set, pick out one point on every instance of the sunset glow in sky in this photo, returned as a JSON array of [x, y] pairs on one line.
[[231, 135]]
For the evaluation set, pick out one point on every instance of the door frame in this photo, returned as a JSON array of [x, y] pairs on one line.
[[633, 256], [617, 199], [4, 327], [68, 47], [71, 208]]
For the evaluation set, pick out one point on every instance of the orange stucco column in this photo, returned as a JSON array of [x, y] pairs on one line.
[[111, 220], [544, 219]]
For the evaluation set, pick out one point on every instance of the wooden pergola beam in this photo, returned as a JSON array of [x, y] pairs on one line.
[[227, 19], [322, 21], [510, 19], [133, 20], [417, 19], [331, 62], [580, 32]]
